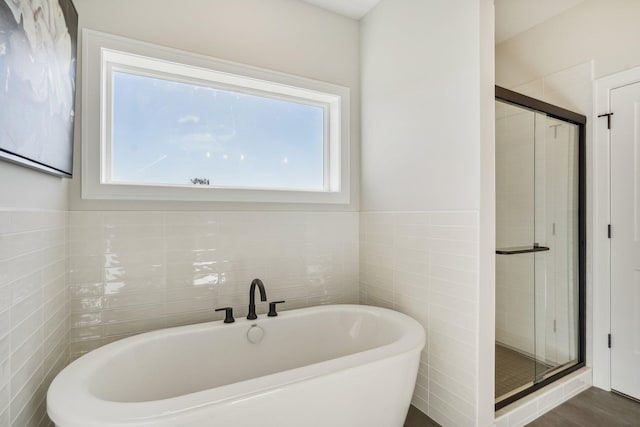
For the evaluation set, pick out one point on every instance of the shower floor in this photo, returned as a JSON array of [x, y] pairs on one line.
[[514, 370]]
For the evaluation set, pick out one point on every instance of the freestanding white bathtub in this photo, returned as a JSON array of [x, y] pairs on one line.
[[329, 366]]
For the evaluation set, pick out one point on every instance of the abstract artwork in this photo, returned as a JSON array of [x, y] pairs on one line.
[[38, 44]]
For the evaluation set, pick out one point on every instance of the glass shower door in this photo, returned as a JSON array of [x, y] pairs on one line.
[[556, 218], [515, 256], [537, 258]]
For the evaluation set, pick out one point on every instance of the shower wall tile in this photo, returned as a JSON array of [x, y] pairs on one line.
[[33, 311], [425, 264], [131, 272]]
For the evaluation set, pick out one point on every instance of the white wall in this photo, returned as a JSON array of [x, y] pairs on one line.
[[427, 73], [136, 266], [33, 309], [420, 72], [288, 36], [427, 131], [487, 290], [21, 187], [603, 31], [201, 260]]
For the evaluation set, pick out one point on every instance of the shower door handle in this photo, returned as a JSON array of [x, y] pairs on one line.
[[521, 250]]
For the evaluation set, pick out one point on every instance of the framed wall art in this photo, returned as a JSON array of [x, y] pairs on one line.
[[38, 45]]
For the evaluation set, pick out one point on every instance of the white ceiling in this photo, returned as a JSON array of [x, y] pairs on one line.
[[512, 16], [355, 9], [516, 16]]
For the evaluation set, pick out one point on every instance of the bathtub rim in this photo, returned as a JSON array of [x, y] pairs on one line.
[[71, 402]]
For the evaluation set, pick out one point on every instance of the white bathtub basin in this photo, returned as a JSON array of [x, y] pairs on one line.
[[340, 365]]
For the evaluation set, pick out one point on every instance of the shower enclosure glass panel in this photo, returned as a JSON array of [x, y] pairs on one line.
[[537, 236], [515, 235], [556, 227]]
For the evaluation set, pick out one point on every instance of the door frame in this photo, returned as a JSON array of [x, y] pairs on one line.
[[601, 220]]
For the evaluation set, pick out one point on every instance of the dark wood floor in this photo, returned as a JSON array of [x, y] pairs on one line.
[[592, 408], [415, 418]]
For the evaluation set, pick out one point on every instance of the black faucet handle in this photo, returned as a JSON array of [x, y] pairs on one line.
[[272, 308], [228, 314]]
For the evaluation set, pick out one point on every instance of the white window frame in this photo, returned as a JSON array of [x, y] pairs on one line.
[[104, 53]]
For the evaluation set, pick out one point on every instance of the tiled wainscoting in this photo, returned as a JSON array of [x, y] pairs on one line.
[[131, 272], [33, 313], [425, 264]]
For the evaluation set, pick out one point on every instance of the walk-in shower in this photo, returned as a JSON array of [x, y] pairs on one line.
[[540, 239]]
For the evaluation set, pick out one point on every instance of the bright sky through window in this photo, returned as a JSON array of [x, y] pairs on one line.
[[167, 132]]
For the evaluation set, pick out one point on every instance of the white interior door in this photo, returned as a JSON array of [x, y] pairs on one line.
[[625, 240]]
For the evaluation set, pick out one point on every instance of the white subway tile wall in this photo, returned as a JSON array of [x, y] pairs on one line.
[[425, 264], [131, 272], [33, 312]]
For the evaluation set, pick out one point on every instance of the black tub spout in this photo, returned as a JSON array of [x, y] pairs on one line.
[[252, 297]]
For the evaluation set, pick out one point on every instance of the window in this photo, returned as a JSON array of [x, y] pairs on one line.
[[169, 132], [162, 124]]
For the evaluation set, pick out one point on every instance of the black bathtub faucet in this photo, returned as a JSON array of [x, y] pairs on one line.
[[252, 297]]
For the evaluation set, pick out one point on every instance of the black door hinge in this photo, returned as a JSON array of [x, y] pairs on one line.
[[609, 231], [609, 340], [608, 116]]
